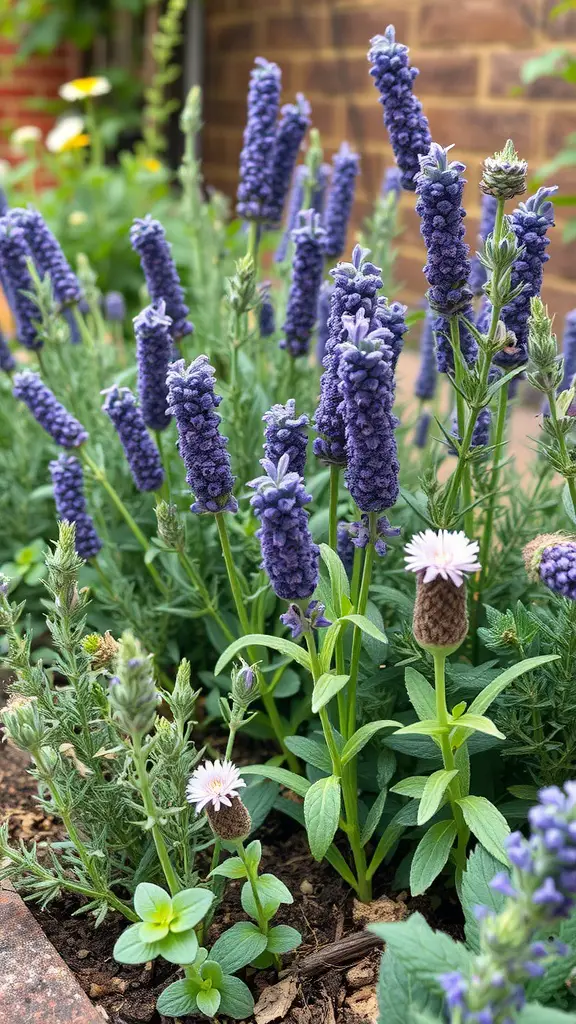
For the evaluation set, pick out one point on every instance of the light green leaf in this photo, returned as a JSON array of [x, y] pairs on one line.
[[237, 946], [310, 751], [253, 853], [277, 643], [399, 995], [212, 971], [423, 952], [524, 792], [462, 762], [373, 817], [329, 643], [282, 938], [152, 932], [179, 947], [413, 786], [394, 598], [363, 623], [269, 771], [433, 795], [189, 907], [427, 727], [129, 948], [325, 689], [431, 855], [421, 694], [271, 891], [208, 1001], [179, 999], [237, 1001], [487, 823], [231, 868], [535, 1013], [479, 723], [363, 736], [321, 814], [152, 903], [338, 575]]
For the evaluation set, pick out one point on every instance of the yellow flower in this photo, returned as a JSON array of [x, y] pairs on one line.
[[65, 133], [84, 88], [77, 142], [77, 217], [151, 164]]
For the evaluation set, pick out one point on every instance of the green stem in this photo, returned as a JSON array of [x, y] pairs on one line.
[[333, 516], [561, 440], [253, 879], [356, 575], [165, 489], [253, 242], [357, 635], [486, 544], [454, 792], [152, 814], [196, 580]]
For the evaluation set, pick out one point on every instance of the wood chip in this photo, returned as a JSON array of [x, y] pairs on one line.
[[364, 1004], [362, 974], [380, 910], [344, 953], [275, 1001]]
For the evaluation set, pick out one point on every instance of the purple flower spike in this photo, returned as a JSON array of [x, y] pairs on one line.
[[294, 120], [478, 273], [48, 411], [141, 453], [193, 402], [392, 316], [286, 435], [68, 481], [422, 430], [320, 190], [440, 186], [425, 386], [14, 253], [324, 299], [48, 256], [406, 124], [266, 312], [257, 156], [289, 554], [7, 361], [307, 270], [340, 199], [148, 239], [569, 350], [345, 546], [153, 356], [392, 182], [114, 306]]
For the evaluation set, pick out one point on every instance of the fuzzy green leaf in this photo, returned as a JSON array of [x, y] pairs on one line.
[[479, 723], [373, 817], [423, 952], [431, 855], [129, 948], [310, 751], [237, 946], [476, 891], [363, 736], [363, 622], [179, 999], [152, 903], [189, 907], [321, 814], [282, 938], [413, 786], [427, 727], [231, 868], [179, 947], [433, 795], [236, 999], [487, 823], [208, 1001], [277, 643], [271, 891], [337, 572], [421, 694], [325, 689]]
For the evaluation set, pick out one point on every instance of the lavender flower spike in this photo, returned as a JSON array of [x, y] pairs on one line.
[[68, 481], [440, 186], [552, 559], [148, 239], [48, 411], [266, 311], [294, 120], [16, 279], [367, 385], [307, 270], [290, 557], [153, 355], [340, 199], [422, 429], [141, 453], [286, 435], [193, 402], [48, 256], [406, 124], [392, 316], [256, 158], [114, 306], [425, 385], [478, 272], [345, 546], [569, 350], [7, 361]]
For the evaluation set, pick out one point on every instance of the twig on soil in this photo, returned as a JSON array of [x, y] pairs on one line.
[[344, 953]]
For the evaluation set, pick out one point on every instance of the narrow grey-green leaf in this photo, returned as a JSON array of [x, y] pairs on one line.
[[281, 775], [363, 736], [433, 795], [325, 689], [421, 694], [338, 575]]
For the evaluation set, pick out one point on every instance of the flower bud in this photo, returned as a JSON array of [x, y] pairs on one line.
[[23, 723], [545, 371], [132, 694], [245, 686], [504, 174], [170, 525], [230, 823], [102, 649]]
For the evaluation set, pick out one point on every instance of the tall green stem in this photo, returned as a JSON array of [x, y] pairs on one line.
[[152, 813], [486, 544], [357, 636], [198, 583], [253, 242], [252, 874], [454, 792], [561, 439]]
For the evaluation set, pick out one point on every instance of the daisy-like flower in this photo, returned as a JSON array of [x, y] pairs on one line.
[[445, 554], [67, 134], [214, 784], [24, 137], [84, 88]]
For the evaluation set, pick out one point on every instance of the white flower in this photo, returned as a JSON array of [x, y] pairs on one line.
[[63, 133], [214, 783], [444, 554], [84, 88], [26, 135]]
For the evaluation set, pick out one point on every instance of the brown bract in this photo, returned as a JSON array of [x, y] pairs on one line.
[[230, 823], [440, 617]]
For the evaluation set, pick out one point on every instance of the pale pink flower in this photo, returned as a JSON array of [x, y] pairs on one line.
[[446, 554], [215, 783]]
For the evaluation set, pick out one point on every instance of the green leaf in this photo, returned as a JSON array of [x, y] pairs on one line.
[[129, 948], [231, 868], [212, 971], [237, 946], [534, 1013], [413, 786], [152, 903], [363, 736], [427, 727], [325, 689], [151, 932], [399, 994], [269, 771], [253, 853], [423, 952], [338, 575], [524, 792], [487, 823], [479, 723], [373, 817], [394, 598], [476, 891], [433, 795], [179, 999], [559, 969], [189, 907], [237, 1001], [310, 751], [328, 644], [431, 855], [271, 891], [179, 947], [282, 938], [462, 762], [277, 643], [321, 814], [421, 694], [363, 622], [208, 1001]]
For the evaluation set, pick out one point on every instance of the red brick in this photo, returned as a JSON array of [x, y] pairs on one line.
[[477, 21], [332, 76], [223, 113], [232, 35], [445, 74], [355, 27], [482, 130], [324, 117], [365, 122], [561, 27], [558, 300], [505, 79], [301, 29], [408, 271], [228, 77], [558, 126], [562, 257], [222, 149]]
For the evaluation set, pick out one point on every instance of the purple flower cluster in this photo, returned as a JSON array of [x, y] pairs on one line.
[[439, 186], [299, 622], [266, 312], [289, 554], [405, 122], [114, 306], [7, 361], [141, 453], [392, 182], [530, 222], [153, 356], [14, 253], [346, 166], [320, 187], [391, 315], [48, 255], [478, 273], [569, 350], [48, 411], [193, 402], [367, 387], [307, 270], [148, 239], [68, 481], [345, 546], [294, 120], [558, 568], [257, 156], [425, 385], [360, 535], [422, 429], [286, 434]]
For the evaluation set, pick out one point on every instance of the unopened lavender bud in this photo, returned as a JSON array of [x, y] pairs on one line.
[[504, 174], [441, 561], [244, 687], [132, 693], [544, 370], [23, 723], [241, 288], [170, 526]]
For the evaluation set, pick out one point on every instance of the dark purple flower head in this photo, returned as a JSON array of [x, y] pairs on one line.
[[141, 453], [14, 253], [294, 120], [114, 306], [422, 429], [360, 533], [392, 316], [286, 434], [307, 270], [289, 554], [153, 356], [530, 222], [7, 361], [193, 402], [48, 255], [478, 273], [266, 312], [392, 182], [48, 411], [346, 166], [345, 546], [299, 622], [425, 386], [439, 186], [148, 239], [324, 299], [257, 156], [557, 567], [569, 350], [406, 124], [367, 387], [68, 481]]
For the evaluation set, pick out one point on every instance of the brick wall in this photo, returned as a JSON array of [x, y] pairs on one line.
[[469, 52]]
